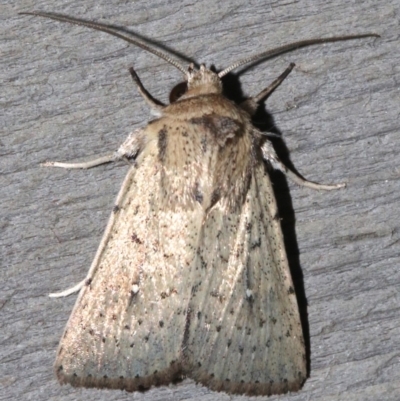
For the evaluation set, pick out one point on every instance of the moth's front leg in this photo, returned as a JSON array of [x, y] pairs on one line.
[[251, 104], [155, 105]]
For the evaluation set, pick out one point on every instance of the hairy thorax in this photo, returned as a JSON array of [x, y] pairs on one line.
[[205, 151]]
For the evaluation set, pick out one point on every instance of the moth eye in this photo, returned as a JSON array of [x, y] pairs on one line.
[[177, 91]]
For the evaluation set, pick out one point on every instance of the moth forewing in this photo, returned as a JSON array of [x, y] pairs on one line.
[[245, 334], [191, 277]]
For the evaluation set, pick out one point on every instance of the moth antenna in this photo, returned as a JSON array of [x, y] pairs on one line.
[[290, 47], [111, 31]]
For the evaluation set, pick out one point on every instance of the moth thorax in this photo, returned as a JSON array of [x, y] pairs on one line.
[[203, 81]]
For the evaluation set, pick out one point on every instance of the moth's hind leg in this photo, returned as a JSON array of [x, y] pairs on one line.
[[270, 156], [251, 104], [88, 164], [69, 291]]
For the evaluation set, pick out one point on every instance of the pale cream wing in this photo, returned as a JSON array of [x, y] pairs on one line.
[[245, 334], [127, 327]]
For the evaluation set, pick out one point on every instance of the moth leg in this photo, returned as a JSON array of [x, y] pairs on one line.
[[154, 104], [251, 104], [130, 148], [69, 291], [88, 164], [270, 156]]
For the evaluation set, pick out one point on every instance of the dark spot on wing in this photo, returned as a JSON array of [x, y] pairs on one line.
[[162, 143], [204, 144], [197, 194], [220, 127], [136, 239]]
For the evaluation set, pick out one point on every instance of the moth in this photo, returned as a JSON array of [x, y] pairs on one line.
[[191, 277]]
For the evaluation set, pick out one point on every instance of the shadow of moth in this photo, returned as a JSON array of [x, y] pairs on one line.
[[191, 277]]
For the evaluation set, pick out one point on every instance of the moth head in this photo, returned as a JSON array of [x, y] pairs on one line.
[[203, 77], [198, 81]]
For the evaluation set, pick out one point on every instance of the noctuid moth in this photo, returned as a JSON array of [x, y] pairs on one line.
[[191, 277]]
